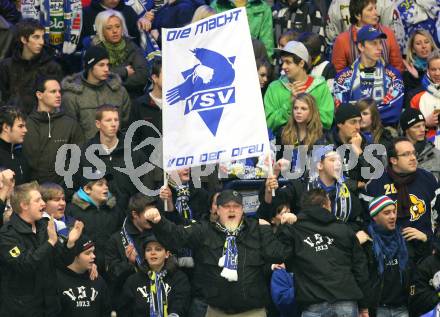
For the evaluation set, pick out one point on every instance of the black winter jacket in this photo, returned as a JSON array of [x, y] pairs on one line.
[[144, 108], [18, 77], [135, 298], [391, 285], [328, 261], [12, 157], [423, 296], [47, 132], [255, 244], [81, 297], [99, 223], [28, 264]]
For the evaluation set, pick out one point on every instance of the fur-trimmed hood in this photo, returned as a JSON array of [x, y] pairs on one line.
[[76, 83], [76, 200]]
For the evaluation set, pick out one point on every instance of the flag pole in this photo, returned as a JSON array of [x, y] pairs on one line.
[[165, 184], [271, 171]]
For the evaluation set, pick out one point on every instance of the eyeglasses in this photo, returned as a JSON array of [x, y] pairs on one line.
[[408, 154]]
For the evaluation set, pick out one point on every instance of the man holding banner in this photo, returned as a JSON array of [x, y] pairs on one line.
[[213, 112]]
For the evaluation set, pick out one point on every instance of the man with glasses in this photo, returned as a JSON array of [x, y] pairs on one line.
[[413, 125], [415, 191]]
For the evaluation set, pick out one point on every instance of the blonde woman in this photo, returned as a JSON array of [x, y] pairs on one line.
[[420, 46], [125, 58], [304, 126]]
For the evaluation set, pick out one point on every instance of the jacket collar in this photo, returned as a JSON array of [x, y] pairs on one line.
[[9, 147], [45, 55], [22, 226], [43, 116], [119, 147]]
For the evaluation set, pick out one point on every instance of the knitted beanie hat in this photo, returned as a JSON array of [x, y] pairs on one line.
[[378, 204]]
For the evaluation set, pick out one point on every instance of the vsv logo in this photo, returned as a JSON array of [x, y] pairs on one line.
[[207, 87]]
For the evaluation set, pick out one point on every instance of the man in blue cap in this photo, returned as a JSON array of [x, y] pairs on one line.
[[369, 77]]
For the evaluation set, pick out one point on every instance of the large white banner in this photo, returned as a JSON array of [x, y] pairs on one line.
[[212, 106]]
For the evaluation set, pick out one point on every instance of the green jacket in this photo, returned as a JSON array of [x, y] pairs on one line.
[[278, 102], [259, 16]]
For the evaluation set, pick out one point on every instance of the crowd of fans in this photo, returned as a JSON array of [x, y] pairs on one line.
[[346, 222]]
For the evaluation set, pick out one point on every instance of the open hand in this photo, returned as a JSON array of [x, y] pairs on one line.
[[410, 233]]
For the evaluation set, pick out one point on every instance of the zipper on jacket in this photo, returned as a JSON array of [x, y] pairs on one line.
[[48, 116], [12, 151]]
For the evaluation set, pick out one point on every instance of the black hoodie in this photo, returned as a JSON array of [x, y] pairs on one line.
[[11, 157], [328, 261], [18, 77], [47, 132], [81, 297]]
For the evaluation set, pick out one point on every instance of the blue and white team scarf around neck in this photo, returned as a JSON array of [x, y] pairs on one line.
[[229, 260]]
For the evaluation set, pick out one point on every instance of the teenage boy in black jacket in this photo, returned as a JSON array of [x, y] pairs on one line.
[[110, 147], [96, 207], [124, 255], [12, 133], [79, 295]]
